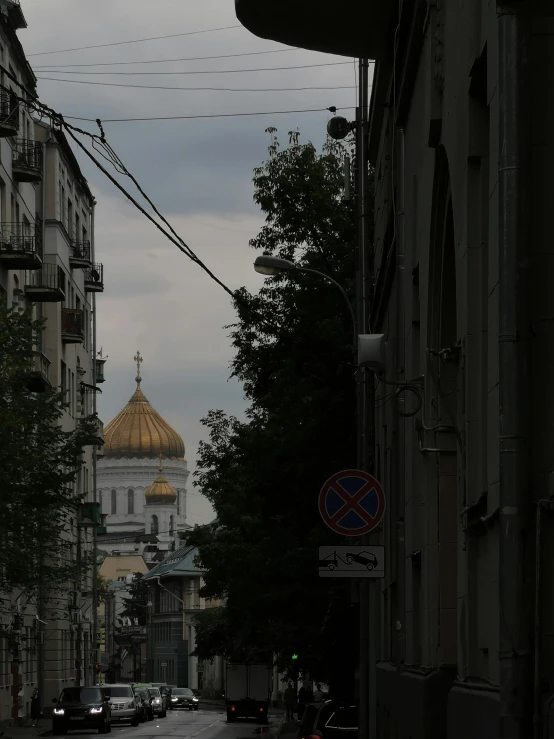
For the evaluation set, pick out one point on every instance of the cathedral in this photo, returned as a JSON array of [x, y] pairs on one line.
[[141, 481]]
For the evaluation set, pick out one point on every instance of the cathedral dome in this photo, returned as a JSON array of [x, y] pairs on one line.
[[160, 492], [139, 431]]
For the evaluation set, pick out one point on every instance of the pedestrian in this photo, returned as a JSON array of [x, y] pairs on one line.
[[290, 701], [35, 707], [301, 702], [318, 693]]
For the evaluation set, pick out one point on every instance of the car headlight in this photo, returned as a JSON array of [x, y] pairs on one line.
[[157, 701], [96, 710], [174, 699], [195, 700], [59, 711]]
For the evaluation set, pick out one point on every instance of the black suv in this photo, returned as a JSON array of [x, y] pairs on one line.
[[333, 719], [81, 708]]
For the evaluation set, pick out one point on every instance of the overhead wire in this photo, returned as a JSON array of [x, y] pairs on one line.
[[136, 41], [163, 61], [213, 71], [192, 89], [332, 109]]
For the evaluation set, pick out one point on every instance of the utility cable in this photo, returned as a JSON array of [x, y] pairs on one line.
[[216, 71], [163, 61], [191, 89], [136, 41], [210, 115]]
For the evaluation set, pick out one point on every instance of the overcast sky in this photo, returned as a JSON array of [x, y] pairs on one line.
[[198, 172]]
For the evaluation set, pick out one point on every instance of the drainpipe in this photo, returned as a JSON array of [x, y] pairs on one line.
[[537, 707], [513, 63], [399, 421], [94, 639]]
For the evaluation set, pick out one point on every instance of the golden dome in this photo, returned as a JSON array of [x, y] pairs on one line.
[[139, 431], [160, 492]]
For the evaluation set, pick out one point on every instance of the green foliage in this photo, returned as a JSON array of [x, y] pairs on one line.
[[135, 605], [294, 357], [39, 462]]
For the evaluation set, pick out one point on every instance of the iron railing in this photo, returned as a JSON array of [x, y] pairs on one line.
[[9, 110], [49, 277], [94, 275], [80, 250], [21, 238], [73, 322], [27, 154]]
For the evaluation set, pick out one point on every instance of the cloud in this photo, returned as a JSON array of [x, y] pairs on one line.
[[199, 173]]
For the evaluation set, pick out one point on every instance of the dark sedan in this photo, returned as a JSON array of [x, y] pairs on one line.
[[81, 708], [183, 698]]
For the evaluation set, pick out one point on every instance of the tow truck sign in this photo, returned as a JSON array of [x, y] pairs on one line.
[[352, 561]]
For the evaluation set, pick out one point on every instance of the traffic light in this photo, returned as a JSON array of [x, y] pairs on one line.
[[294, 657], [97, 669]]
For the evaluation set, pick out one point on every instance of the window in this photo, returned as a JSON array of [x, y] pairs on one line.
[[63, 378], [70, 218], [130, 501], [154, 525], [171, 524], [114, 502]]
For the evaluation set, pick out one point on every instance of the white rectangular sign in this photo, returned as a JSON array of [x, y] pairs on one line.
[[352, 561]]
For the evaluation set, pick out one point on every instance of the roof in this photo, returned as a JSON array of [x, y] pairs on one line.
[[177, 564]]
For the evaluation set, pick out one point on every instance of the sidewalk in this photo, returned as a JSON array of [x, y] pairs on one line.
[[288, 730], [44, 728]]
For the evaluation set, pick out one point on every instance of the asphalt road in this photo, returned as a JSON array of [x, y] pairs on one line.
[[207, 723]]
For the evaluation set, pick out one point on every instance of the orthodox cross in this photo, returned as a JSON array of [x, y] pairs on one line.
[[138, 359]]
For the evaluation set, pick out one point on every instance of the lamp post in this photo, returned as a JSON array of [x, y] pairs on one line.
[[267, 265]]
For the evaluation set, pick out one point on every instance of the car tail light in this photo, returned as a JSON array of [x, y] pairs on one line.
[[233, 708], [261, 710]]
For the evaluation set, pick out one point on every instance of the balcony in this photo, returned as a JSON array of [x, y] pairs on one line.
[[90, 514], [96, 437], [356, 28], [73, 326], [9, 114], [27, 161], [37, 379], [99, 369], [94, 279], [21, 245], [46, 285], [79, 254]]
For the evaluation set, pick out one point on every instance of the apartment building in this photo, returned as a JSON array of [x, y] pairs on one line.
[[47, 263]]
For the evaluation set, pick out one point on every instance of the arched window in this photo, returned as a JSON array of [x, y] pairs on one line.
[[154, 525], [114, 502], [171, 524], [130, 501]]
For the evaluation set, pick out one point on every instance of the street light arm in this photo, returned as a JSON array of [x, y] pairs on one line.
[[344, 295], [182, 602]]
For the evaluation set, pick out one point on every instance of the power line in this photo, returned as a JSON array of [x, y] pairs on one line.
[[136, 41], [163, 61], [210, 115], [213, 71], [191, 89]]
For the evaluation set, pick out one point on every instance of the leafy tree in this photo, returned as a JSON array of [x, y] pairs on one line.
[[294, 356], [39, 462], [135, 604]]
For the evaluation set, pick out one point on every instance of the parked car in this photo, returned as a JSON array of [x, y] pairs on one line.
[[125, 706], [158, 702], [165, 690], [333, 719], [146, 712], [183, 698], [81, 708]]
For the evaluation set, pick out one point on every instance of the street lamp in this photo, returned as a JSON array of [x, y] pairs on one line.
[[267, 265]]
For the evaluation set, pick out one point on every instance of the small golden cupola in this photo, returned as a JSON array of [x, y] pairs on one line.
[[160, 492], [138, 431]]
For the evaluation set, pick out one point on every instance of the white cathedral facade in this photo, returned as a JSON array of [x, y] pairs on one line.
[[141, 480]]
